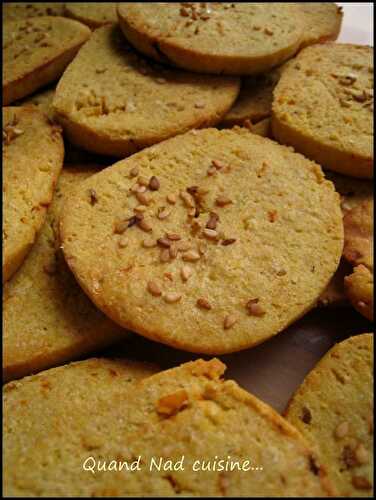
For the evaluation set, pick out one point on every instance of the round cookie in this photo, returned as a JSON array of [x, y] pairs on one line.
[[33, 153], [229, 238], [112, 101], [323, 107], [47, 319], [36, 51], [359, 289], [13, 11], [92, 14], [322, 22], [186, 411], [333, 409], [222, 38]]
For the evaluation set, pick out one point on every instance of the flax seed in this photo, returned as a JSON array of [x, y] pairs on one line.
[[229, 321], [164, 242], [143, 198], [187, 198], [163, 213], [154, 289], [145, 225], [173, 236], [154, 184]]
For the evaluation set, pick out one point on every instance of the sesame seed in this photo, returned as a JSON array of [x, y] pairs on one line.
[[217, 164], [203, 304], [149, 243], [210, 233], [222, 201], [145, 226], [143, 181], [191, 256], [254, 308], [185, 273], [228, 241], [164, 242], [154, 184], [133, 172], [154, 289], [164, 255], [173, 251], [171, 198], [140, 208], [229, 321], [173, 236], [187, 198], [163, 213], [361, 454], [341, 430], [143, 198], [172, 297]]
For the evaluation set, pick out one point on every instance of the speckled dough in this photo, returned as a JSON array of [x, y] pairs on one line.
[[323, 107], [13, 11], [93, 14], [253, 242], [47, 319], [42, 100], [186, 411], [226, 38], [112, 101], [33, 154], [333, 409], [36, 51]]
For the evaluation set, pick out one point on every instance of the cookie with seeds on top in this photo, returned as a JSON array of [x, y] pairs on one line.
[[221, 38], [333, 409], [47, 319], [93, 14], [36, 51], [173, 433], [230, 237], [33, 153], [323, 107], [114, 102]]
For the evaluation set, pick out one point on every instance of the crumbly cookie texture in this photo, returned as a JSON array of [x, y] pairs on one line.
[[187, 411], [13, 11], [33, 152], [211, 242], [323, 107], [93, 15], [48, 320], [224, 38], [333, 409], [36, 51]]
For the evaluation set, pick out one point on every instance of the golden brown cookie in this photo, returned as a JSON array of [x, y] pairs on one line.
[[358, 224], [79, 416], [222, 38], [322, 22], [323, 107], [359, 289], [112, 101], [333, 409], [47, 319], [33, 154], [211, 242], [36, 51], [42, 100], [93, 14], [14, 11]]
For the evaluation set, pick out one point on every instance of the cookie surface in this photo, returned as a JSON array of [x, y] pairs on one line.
[[206, 255], [92, 14], [186, 411], [322, 21], [323, 107], [334, 409], [48, 320], [237, 38], [42, 100], [33, 154], [36, 51], [111, 101], [13, 11]]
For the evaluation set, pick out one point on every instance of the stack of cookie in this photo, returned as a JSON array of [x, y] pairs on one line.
[[198, 174]]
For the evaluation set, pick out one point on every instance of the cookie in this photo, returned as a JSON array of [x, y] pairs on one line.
[[223, 38], [359, 289], [92, 14], [113, 102], [36, 51], [322, 21], [15, 11], [47, 319], [323, 107], [353, 191], [254, 102], [333, 409], [42, 100], [182, 418], [33, 152], [208, 266], [358, 241]]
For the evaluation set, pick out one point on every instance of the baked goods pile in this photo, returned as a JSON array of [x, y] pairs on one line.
[[199, 174]]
